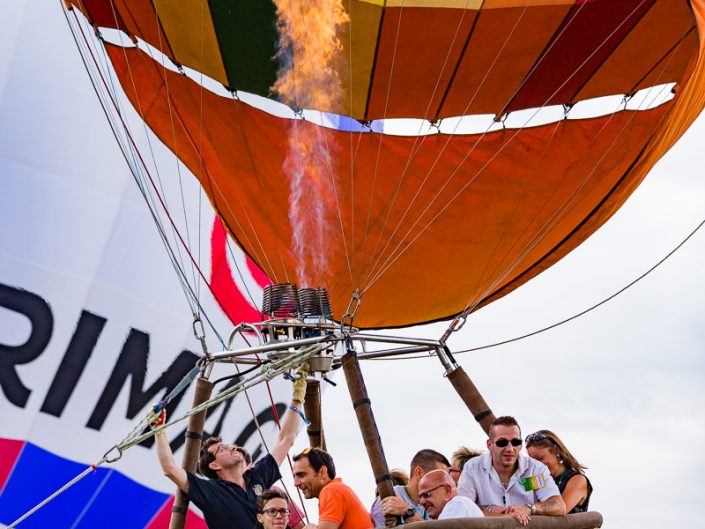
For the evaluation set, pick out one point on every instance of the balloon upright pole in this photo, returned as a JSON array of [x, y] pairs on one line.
[[192, 447], [466, 389], [368, 426], [312, 409]]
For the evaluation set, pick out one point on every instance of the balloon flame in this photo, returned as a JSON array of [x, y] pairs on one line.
[[310, 49]]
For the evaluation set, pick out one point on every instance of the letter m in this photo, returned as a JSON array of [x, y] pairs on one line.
[[132, 365]]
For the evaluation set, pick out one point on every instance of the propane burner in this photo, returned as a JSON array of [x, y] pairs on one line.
[[280, 301], [315, 303]]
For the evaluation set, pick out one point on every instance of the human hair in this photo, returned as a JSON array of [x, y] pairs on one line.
[[318, 458], [427, 459], [464, 454], [207, 457], [270, 494], [547, 439], [505, 420], [399, 477]]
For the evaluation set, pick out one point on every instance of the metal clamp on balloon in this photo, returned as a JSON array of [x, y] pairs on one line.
[[455, 325], [200, 333], [349, 316]]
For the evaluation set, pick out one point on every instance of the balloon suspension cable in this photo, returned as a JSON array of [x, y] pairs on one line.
[[268, 372], [67, 486]]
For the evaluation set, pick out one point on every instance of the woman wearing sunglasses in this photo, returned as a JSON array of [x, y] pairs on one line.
[[575, 487], [273, 509]]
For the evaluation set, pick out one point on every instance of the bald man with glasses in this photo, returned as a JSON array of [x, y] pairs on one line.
[[505, 482], [439, 496]]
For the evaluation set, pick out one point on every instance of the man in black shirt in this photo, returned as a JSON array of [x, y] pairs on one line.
[[229, 497]]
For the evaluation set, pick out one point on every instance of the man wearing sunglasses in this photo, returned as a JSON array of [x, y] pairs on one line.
[[505, 482], [229, 497]]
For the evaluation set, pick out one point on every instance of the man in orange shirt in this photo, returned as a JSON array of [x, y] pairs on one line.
[[338, 506]]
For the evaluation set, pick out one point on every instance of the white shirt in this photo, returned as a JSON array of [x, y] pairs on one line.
[[460, 507], [480, 482]]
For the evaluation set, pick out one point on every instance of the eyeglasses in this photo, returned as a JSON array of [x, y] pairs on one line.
[[453, 469], [276, 512], [502, 442], [224, 447], [427, 494], [537, 437]]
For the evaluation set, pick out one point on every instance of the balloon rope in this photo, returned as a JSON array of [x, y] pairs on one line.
[[396, 253], [420, 140], [374, 270], [565, 320], [195, 306], [67, 486], [165, 79], [135, 172], [268, 372], [470, 305]]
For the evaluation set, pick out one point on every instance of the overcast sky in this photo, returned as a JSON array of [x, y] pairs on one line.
[[624, 386]]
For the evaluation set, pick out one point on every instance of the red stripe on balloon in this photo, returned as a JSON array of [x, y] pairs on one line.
[[10, 450], [234, 303]]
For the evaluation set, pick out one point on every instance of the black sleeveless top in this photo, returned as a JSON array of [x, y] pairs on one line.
[[563, 479]]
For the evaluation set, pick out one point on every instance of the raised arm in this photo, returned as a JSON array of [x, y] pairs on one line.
[[290, 424], [166, 459]]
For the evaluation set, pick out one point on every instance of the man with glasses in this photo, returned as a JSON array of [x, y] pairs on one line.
[[505, 482], [439, 495], [405, 502], [229, 497], [338, 506]]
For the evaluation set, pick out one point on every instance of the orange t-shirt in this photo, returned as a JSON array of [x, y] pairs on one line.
[[338, 503]]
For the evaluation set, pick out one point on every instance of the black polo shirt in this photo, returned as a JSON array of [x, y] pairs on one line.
[[224, 504]]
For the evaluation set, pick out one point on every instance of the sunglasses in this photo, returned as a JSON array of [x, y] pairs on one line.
[[537, 437], [427, 494], [276, 512], [502, 442]]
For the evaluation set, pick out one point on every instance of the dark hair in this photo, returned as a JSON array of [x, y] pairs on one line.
[[268, 495], [207, 457], [505, 420], [427, 459], [318, 458], [547, 439], [463, 455]]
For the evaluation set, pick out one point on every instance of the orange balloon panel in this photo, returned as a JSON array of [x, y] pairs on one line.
[[423, 226]]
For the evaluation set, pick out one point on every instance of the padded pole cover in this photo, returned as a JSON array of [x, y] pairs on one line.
[[472, 398], [192, 448], [368, 426], [312, 410]]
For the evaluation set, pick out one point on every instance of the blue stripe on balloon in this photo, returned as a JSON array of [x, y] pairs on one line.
[[104, 498]]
